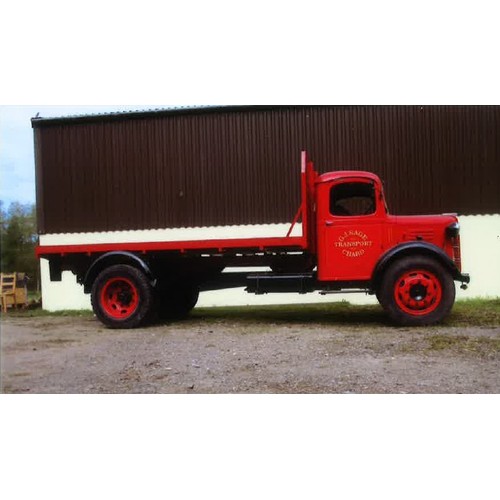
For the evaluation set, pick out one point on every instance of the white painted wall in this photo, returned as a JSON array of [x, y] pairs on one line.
[[481, 255], [66, 295], [480, 248]]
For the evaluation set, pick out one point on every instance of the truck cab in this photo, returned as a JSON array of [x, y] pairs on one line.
[[410, 263], [351, 214]]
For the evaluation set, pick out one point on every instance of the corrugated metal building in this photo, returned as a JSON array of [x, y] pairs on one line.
[[240, 165]]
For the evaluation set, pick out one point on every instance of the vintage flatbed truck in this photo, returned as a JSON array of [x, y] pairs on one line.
[[349, 243]]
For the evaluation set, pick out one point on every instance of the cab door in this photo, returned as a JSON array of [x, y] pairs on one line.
[[350, 215]]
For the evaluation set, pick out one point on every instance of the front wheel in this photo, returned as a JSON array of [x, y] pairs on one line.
[[417, 291], [122, 297]]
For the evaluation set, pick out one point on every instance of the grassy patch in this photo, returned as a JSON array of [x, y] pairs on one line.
[[482, 346], [465, 313], [319, 314], [472, 313], [34, 296], [40, 313], [50, 342], [443, 342], [475, 312]]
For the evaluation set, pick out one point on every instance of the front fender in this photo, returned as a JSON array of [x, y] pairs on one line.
[[415, 248]]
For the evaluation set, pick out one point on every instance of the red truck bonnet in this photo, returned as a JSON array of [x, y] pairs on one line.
[[440, 230]]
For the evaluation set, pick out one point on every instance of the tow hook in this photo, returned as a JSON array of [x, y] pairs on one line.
[[465, 279]]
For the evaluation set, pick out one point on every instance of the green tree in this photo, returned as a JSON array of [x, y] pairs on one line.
[[18, 240]]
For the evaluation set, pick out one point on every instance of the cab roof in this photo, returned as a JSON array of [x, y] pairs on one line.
[[347, 174]]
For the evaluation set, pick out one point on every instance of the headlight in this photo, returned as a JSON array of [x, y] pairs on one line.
[[453, 230]]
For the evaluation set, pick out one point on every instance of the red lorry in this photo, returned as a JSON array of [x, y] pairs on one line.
[[349, 243]]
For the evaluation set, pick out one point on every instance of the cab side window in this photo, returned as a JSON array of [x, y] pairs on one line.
[[353, 199]]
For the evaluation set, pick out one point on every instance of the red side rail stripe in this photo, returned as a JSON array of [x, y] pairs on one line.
[[208, 246]]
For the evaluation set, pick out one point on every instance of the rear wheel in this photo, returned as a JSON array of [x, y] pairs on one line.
[[417, 291], [122, 297], [178, 301]]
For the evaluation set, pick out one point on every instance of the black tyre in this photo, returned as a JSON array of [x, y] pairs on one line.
[[122, 297], [417, 291], [177, 302]]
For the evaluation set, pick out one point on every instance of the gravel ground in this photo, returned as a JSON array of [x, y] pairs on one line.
[[78, 355]]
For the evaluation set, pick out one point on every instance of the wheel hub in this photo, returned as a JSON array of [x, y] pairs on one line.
[[125, 298], [418, 293], [119, 298]]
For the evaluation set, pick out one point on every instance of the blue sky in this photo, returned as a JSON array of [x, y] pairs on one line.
[[17, 164]]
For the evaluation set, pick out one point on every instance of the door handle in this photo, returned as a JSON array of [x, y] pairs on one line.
[[329, 223]]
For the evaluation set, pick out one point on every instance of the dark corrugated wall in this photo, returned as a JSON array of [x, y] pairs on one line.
[[241, 166]]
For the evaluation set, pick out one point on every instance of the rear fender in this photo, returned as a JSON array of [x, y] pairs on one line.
[[112, 259]]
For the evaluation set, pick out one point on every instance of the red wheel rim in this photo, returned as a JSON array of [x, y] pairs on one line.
[[119, 298], [418, 293]]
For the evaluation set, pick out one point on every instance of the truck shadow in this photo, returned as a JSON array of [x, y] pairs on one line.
[[334, 314]]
